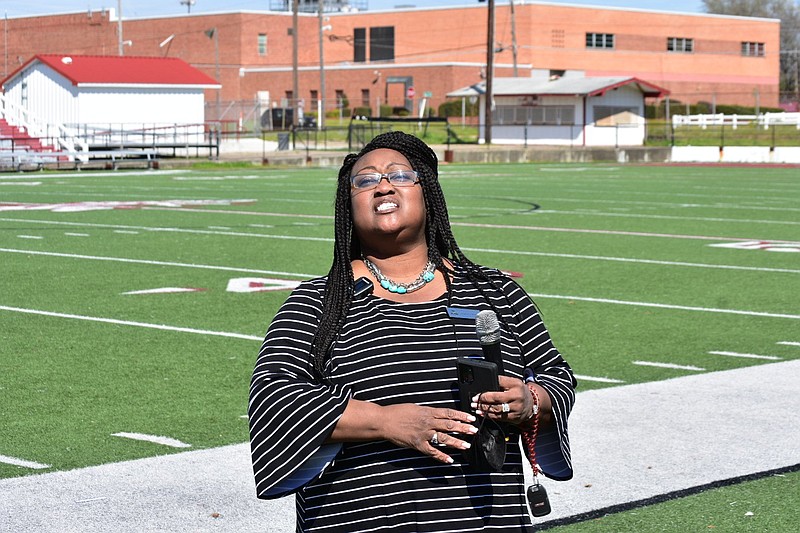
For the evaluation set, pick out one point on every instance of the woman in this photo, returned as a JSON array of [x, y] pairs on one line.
[[354, 396]]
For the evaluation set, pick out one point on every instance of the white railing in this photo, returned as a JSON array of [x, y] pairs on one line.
[[150, 135], [764, 119], [56, 135]]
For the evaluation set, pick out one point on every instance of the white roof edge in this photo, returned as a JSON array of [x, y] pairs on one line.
[[149, 85], [378, 66]]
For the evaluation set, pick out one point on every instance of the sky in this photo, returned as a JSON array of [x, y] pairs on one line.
[[147, 8]]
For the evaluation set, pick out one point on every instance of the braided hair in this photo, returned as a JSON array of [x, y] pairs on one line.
[[441, 243]]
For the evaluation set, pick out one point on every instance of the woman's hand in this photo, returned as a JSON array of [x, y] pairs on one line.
[[407, 425], [516, 396], [414, 426]]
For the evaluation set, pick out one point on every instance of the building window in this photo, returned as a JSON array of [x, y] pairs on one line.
[[365, 97], [600, 40], [341, 99], [314, 97], [545, 115], [608, 115], [753, 49], [262, 44], [680, 44], [381, 43], [359, 45]]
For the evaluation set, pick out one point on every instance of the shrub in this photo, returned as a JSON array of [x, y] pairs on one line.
[[453, 109]]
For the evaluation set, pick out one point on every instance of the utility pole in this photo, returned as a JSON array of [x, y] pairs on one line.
[[514, 37], [321, 99], [295, 82], [119, 28], [213, 33], [487, 128]]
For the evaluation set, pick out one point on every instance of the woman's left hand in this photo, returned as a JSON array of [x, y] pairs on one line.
[[513, 404]]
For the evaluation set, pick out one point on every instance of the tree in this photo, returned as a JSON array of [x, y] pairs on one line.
[[788, 11]]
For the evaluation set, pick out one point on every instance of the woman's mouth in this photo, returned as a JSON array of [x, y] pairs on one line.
[[383, 207]]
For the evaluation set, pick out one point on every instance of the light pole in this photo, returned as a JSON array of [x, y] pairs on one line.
[[321, 99], [119, 28], [188, 4], [214, 34], [487, 128], [295, 82]]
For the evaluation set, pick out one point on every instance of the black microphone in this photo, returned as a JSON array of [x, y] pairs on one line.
[[488, 329]]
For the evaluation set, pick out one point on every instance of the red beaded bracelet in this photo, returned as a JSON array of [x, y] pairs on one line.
[[529, 435]]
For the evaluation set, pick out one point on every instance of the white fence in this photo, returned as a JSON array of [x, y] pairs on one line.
[[764, 119]]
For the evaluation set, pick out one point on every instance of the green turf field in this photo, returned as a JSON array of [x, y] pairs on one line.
[[623, 261]]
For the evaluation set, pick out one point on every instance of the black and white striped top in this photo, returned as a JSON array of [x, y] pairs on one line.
[[389, 353]]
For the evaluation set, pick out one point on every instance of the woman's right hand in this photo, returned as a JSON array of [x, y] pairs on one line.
[[407, 425], [414, 426]]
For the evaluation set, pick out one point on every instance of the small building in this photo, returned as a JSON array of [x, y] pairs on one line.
[[100, 98], [565, 108]]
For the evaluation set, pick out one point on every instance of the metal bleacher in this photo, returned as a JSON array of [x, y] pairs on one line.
[[27, 143]]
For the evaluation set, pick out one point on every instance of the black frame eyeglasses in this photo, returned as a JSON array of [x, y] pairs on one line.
[[370, 180]]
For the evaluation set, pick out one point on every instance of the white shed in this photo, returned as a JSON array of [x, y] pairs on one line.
[[90, 94], [567, 109]]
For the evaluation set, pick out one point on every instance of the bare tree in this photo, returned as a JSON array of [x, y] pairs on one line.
[[788, 11]]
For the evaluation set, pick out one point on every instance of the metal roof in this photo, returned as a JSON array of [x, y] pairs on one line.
[[563, 86], [85, 70]]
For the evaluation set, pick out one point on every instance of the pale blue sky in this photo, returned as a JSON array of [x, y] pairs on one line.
[[145, 8]]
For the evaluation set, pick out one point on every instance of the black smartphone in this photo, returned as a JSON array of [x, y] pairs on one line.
[[474, 377]]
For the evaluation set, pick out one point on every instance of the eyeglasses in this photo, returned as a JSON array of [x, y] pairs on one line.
[[398, 178]]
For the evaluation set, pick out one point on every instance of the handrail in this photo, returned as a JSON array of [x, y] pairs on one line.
[[34, 127]]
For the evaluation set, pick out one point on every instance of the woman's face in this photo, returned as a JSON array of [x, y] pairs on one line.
[[388, 214]]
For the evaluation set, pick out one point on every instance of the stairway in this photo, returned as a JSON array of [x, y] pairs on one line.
[[17, 146]]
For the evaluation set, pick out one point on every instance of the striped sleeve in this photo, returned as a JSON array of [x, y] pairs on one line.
[[290, 413], [545, 365]]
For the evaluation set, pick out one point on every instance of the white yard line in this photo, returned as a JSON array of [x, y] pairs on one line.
[[632, 260], [93, 174], [597, 379], [667, 306], [159, 263], [306, 276], [155, 439], [492, 250], [489, 226], [665, 217], [669, 365], [131, 323], [747, 355], [173, 230], [789, 343], [22, 463]]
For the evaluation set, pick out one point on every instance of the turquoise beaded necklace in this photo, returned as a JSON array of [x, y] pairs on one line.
[[425, 277]]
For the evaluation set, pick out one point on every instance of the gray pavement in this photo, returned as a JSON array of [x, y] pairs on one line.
[[629, 443]]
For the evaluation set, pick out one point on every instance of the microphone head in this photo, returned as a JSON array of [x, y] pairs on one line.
[[487, 327]]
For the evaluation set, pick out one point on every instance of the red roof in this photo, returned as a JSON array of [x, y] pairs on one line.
[[122, 70]]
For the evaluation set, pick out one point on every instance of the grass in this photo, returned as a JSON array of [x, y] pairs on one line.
[[621, 233], [750, 506]]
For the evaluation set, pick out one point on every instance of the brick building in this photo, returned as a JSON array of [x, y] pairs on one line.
[[372, 57]]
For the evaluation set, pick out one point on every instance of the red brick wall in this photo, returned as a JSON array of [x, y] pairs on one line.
[[442, 48]]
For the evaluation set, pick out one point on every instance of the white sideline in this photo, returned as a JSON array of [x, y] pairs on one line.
[[629, 443]]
